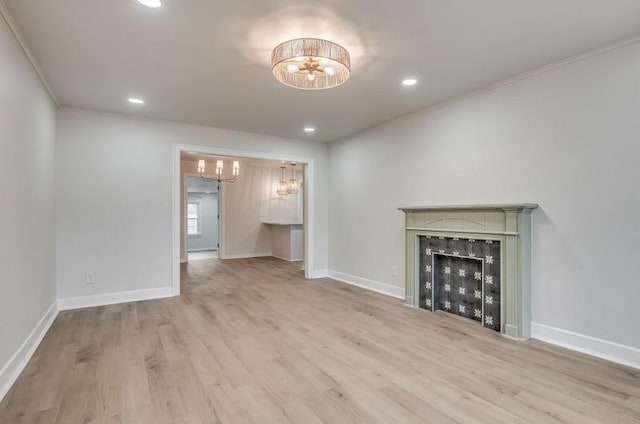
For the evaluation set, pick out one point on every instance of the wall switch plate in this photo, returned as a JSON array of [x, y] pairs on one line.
[[89, 278]]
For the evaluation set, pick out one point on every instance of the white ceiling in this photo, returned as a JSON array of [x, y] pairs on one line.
[[208, 62]]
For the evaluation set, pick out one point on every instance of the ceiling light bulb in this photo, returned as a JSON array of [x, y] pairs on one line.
[[310, 76], [329, 70], [136, 101], [292, 68], [309, 129], [409, 82], [151, 3]]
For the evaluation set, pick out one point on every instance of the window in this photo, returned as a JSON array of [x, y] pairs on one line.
[[193, 218]]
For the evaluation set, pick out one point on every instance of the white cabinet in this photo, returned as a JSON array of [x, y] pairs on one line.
[[287, 239]]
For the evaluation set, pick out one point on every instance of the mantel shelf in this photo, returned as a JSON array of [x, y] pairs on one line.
[[479, 207]]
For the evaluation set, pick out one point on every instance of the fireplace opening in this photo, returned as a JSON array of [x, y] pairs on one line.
[[461, 276]]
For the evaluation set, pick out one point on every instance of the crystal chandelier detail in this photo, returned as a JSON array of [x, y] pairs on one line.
[[290, 187], [282, 185]]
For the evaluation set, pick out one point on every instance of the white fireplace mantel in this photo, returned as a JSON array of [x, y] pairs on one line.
[[508, 223]]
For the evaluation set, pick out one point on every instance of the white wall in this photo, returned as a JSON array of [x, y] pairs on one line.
[[567, 138], [208, 237], [27, 208], [114, 188], [243, 210]]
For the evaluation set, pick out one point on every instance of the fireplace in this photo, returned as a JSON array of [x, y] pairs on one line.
[[472, 261]]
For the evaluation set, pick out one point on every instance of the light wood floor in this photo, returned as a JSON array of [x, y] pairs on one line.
[[207, 254], [250, 341]]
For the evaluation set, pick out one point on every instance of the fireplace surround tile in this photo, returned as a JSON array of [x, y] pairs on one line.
[[478, 276]]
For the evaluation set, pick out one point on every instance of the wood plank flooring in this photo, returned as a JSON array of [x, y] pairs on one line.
[[250, 341]]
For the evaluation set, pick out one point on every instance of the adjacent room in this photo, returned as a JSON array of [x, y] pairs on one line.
[[422, 211]]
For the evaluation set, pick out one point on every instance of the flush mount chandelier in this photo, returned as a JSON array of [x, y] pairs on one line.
[[235, 172], [311, 64]]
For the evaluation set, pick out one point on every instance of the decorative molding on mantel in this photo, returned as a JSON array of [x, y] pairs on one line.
[[504, 207], [450, 230], [510, 224]]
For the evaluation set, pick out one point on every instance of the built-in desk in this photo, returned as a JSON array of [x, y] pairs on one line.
[[287, 240]]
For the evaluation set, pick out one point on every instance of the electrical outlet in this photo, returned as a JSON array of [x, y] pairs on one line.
[[394, 270], [89, 278]]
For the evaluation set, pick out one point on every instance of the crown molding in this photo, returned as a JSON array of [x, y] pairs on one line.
[[495, 86], [13, 27], [543, 69]]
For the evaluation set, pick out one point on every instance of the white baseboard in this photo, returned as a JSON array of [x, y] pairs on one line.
[[205, 249], [318, 273], [288, 259], [12, 369], [376, 286], [68, 303], [246, 256], [614, 352]]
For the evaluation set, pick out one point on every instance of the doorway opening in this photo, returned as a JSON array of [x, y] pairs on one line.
[[248, 218], [202, 218]]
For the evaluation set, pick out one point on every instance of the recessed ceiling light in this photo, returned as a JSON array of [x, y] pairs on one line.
[[151, 3], [409, 82], [309, 129], [136, 101]]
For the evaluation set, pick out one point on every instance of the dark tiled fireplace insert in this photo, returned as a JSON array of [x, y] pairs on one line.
[[461, 276]]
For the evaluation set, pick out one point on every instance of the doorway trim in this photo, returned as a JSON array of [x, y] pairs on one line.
[[308, 204]]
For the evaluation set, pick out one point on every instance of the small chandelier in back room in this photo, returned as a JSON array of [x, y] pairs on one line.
[[235, 171], [291, 187], [282, 185]]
